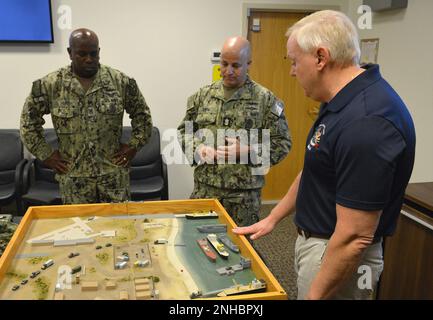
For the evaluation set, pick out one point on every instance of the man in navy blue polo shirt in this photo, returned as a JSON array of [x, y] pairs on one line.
[[358, 160]]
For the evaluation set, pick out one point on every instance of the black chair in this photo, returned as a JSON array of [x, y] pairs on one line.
[[11, 167], [40, 186], [148, 174]]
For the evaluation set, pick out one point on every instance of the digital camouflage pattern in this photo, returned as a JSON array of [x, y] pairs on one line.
[[88, 124], [243, 205], [251, 107], [7, 229], [112, 187]]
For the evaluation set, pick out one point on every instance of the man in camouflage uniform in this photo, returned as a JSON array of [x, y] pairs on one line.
[[86, 101], [7, 229], [235, 103]]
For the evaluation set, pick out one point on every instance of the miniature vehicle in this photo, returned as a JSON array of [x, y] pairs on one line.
[[123, 258], [35, 274], [212, 228], [108, 245], [47, 264], [252, 287], [73, 254], [120, 265], [15, 287], [202, 215], [160, 241], [24, 281], [228, 242], [76, 269], [206, 249], [218, 246], [141, 263], [98, 247]]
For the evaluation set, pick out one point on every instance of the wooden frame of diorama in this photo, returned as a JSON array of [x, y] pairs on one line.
[[274, 291]]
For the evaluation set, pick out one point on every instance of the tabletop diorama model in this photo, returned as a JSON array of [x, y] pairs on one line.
[[132, 256]]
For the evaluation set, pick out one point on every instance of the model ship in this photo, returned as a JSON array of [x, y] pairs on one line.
[[228, 242], [202, 215], [206, 249], [219, 247], [254, 286], [212, 228]]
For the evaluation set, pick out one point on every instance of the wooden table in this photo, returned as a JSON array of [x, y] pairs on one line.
[[408, 254]]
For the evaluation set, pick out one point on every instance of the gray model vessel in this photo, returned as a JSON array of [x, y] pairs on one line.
[[212, 228], [228, 242]]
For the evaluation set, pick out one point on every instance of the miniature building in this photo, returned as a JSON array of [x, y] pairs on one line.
[[110, 285], [142, 281], [245, 263], [59, 296], [89, 286], [143, 295], [123, 295], [142, 287]]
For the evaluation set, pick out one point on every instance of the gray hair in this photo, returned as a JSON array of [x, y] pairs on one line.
[[332, 30]]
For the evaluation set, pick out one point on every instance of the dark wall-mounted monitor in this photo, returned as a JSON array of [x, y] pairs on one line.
[[385, 5], [26, 21]]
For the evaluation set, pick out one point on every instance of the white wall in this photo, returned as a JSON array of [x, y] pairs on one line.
[[165, 45], [405, 58]]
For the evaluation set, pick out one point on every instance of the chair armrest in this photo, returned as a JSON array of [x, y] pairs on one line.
[[19, 171], [26, 175], [164, 194]]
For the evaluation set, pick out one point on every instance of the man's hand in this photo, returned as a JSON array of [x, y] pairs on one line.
[[124, 156], [56, 162], [258, 230], [233, 150], [207, 154]]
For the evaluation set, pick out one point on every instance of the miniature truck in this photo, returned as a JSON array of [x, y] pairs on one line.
[[47, 264], [76, 269]]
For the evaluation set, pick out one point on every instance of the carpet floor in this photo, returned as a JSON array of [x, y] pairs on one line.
[[277, 251]]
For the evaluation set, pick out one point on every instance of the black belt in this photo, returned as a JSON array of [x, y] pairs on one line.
[[308, 234]]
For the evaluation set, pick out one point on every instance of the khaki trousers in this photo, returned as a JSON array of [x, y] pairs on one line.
[[361, 286]]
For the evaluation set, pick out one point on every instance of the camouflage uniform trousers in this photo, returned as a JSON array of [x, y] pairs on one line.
[[242, 205], [113, 187]]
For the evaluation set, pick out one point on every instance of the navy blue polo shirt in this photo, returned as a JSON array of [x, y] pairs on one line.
[[359, 154]]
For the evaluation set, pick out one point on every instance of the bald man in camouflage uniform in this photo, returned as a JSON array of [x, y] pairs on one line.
[[86, 101], [235, 102]]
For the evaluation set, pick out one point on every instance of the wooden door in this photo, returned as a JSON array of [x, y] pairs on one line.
[[271, 68]]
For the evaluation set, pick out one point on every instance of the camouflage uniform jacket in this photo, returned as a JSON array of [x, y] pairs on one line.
[[251, 107], [88, 124]]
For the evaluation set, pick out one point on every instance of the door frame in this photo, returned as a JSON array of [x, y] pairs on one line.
[[283, 7], [247, 8]]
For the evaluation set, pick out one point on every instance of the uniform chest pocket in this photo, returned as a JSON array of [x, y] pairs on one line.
[[206, 118], [249, 117], [66, 120], [110, 105]]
